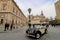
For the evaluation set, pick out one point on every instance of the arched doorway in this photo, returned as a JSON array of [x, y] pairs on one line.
[[1, 21]]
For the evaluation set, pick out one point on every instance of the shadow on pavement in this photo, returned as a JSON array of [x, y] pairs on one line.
[[3, 32], [32, 38]]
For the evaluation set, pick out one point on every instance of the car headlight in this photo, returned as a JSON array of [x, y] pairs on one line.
[[31, 31]]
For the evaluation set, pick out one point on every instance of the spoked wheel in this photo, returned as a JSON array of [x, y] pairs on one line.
[[38, 35]]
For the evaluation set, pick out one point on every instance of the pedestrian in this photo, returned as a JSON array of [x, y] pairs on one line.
[[6, 26], [11, 26], [47, 25]]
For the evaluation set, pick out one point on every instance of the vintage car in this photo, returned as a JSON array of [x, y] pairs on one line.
[[36, 30]]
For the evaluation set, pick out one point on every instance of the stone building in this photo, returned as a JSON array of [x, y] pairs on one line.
[[11, 13], [57, 7], [39, 19]]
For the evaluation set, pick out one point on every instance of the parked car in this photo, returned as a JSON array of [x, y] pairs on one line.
[[36, 30]]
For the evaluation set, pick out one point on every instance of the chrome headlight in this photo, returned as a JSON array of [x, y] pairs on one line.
[[31, 31]]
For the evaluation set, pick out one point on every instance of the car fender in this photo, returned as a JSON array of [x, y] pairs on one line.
[[42, 31], [38, 32]]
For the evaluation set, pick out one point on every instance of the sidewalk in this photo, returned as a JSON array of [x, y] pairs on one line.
[[13, 30], [1, 29]]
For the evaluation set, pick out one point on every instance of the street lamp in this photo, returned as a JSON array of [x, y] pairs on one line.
[[29, 10]]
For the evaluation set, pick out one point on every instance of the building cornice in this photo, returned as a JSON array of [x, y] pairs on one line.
[[18, 8]]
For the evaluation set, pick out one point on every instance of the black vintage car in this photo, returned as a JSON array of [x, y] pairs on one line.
[[36, 30]]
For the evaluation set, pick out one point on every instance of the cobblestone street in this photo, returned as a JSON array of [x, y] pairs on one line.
[[19, 34]]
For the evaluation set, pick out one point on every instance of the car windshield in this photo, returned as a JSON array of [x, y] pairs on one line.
[[35, 26]]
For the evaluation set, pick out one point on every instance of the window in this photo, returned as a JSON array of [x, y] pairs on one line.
[[16, 21], [13, 9], [16, 12], [4, 6], [1, 21]]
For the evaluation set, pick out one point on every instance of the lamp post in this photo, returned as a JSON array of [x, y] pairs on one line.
[[29, 10], [6, 19]]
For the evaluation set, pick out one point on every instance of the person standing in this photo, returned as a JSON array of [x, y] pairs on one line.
[[47, 25], [6, 26], [11, 26]]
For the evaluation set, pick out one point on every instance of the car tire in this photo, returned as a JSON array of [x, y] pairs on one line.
[[38, 35]]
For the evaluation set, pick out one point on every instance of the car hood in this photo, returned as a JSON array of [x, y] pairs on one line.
[[33, 29]]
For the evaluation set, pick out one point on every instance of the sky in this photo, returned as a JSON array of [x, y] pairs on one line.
[[47, 6]]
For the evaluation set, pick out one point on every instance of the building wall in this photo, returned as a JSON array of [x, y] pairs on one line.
[[8, 5], [10, 12], [38, 19], [57, 7]]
